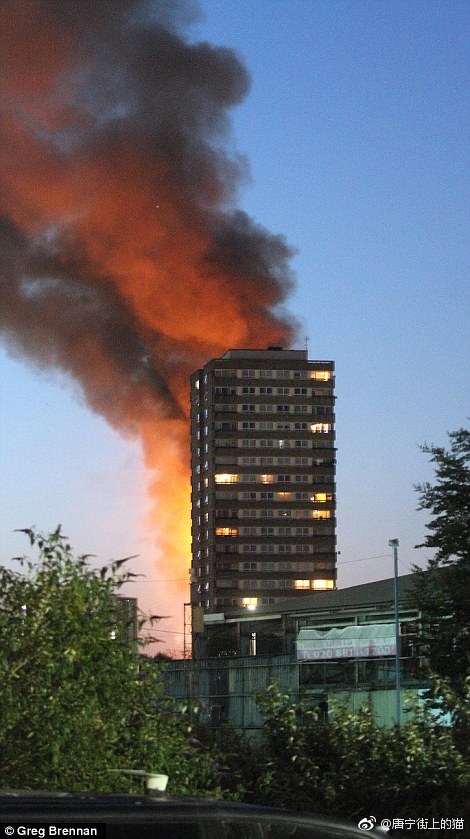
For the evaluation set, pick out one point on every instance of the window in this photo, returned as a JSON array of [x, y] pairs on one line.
[[300, 391], [282, 409], [302, 584], [248, 408], [245, 425], [248, 390], [320, 375], [250, 603], [322, 585], [249, 374], [266, 479], [320, 427], [321, 514], [322, 497], [283, 479], [226, 531], [226, 479]]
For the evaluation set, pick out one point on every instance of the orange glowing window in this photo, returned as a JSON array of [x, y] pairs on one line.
[[320, 375], [323, 585], [224, 478], [322, 497], [321, 514], [302, 584], [226, 531], [266, 479], [283, 496], [320, 427]]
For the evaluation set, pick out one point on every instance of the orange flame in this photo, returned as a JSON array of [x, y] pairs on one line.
[[124, 261]]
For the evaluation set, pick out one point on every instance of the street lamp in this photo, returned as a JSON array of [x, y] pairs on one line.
[[393, 543]]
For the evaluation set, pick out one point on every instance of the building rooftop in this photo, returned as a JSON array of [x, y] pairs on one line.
[[365, 594]]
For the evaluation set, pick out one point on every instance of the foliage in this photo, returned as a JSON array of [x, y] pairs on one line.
[[449, 499], [443, 589], [76, 699], [347, 765]]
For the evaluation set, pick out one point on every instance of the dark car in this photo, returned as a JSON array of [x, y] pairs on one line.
[[113, 816]]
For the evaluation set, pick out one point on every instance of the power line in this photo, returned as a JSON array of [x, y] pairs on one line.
[[363, 559]]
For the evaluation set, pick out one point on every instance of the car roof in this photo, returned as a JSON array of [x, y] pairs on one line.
[[163, 817]]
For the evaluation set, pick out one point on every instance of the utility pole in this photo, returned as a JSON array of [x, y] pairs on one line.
[[393, 543]]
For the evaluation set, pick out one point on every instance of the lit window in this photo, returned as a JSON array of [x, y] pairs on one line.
[[224, 478], [283, 496], [322, 585], [226, 531], [322, 497], [320, 375], [320, 427], [321, 514], [266, 479], [250, 603], [301, 584]]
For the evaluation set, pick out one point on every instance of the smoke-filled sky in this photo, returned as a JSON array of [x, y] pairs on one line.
[[176, 180]]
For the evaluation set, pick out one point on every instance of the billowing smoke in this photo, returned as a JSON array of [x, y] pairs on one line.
[[124, 261]]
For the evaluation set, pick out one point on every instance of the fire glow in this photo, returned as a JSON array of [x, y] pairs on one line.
[[124, 261]]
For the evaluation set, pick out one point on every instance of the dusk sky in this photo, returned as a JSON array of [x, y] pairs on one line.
[[352, 146]]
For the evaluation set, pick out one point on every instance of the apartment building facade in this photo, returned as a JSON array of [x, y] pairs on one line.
[[263, 479]]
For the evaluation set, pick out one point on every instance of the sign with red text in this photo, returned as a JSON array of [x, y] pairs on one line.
[[371, 641]]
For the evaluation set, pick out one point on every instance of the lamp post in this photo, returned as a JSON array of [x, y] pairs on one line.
[[393, 543]]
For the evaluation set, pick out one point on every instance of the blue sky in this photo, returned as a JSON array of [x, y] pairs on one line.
[[355, 132]]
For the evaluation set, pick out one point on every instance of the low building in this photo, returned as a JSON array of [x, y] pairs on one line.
[[327, 645]]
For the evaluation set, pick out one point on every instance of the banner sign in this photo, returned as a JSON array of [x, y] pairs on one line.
[[373, 640]]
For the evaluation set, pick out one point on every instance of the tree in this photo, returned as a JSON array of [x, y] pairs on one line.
[[449, 500], [77, 701], [443, 588], [348, 766]]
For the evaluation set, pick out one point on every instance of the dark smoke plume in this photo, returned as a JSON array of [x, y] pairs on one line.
[[124, 261]]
